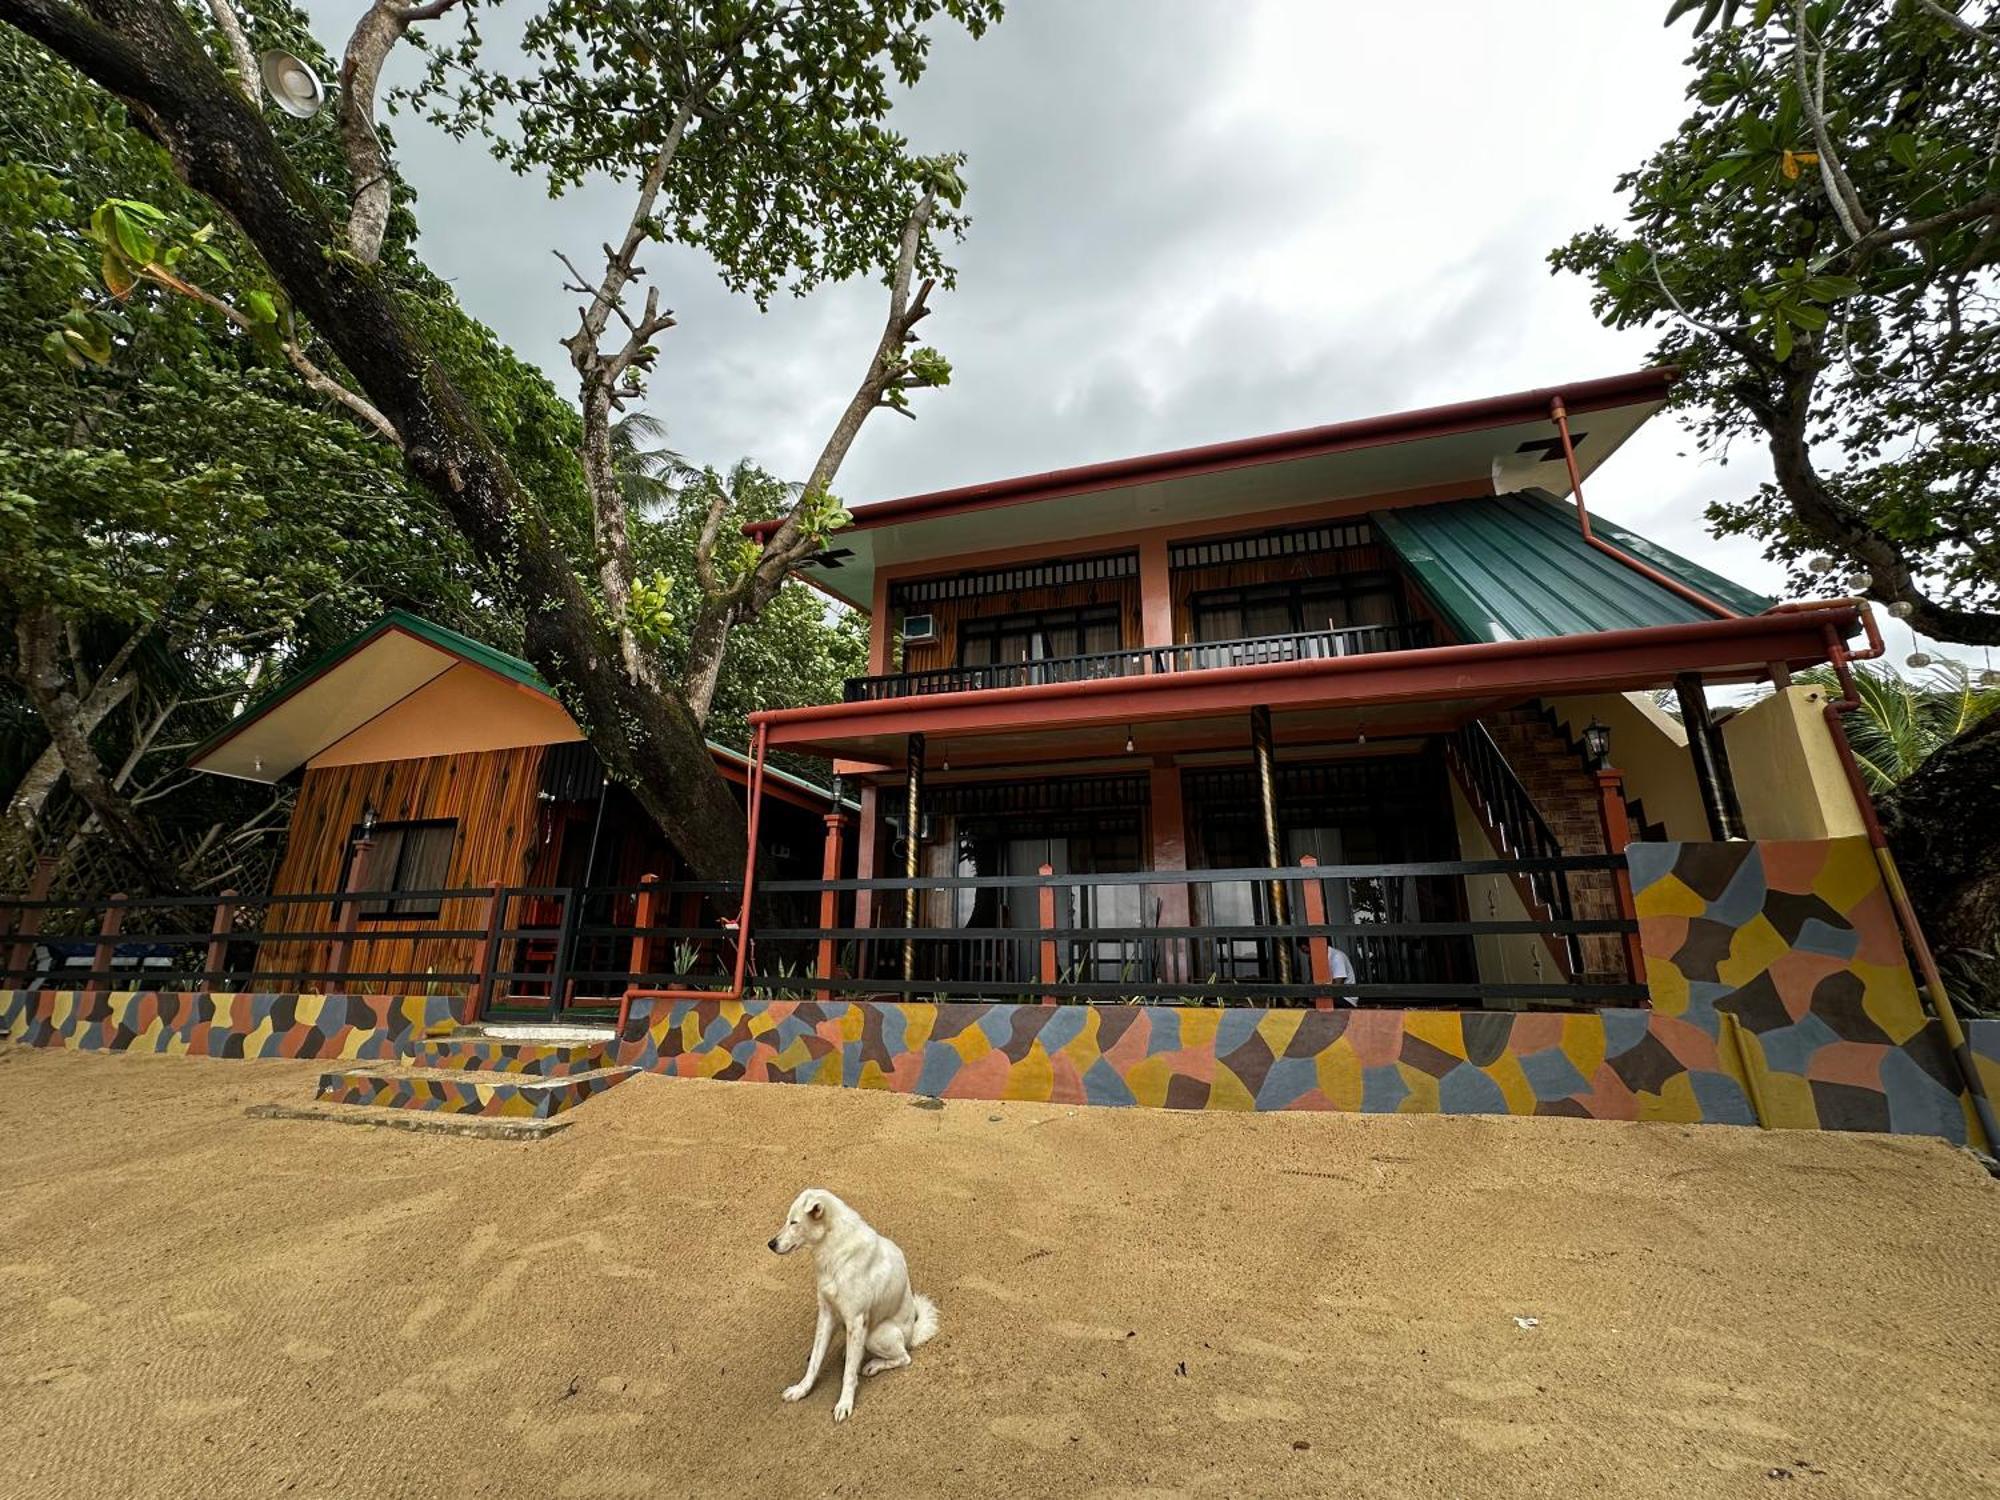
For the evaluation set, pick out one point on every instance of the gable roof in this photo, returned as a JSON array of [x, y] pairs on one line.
[[365, 677], [1516, 567]]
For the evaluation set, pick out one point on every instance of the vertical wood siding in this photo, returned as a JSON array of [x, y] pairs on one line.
[[951, 613]]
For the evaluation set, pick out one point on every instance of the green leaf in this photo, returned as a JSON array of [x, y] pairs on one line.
[[118, 276], [1903, 147], [259, 304]]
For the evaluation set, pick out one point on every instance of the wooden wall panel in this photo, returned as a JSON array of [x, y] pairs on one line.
[[492, 794], [943, 652], [1187, 582]]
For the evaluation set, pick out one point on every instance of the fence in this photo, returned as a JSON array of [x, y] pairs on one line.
[[1202, 936]]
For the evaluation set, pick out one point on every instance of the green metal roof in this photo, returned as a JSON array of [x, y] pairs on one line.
[[451, 642], [1516, 567]]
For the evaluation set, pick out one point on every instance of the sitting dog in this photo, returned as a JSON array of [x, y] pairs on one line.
[[864, 1286]]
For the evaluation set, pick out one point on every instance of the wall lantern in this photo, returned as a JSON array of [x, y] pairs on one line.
[[1597, 744], [368, 820]]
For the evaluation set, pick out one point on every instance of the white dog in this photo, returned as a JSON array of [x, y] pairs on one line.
[[864, 1285]]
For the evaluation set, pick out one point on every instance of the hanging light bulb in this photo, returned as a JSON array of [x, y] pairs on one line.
[[1902, 609], [1989, 678], [1128, 739], [1918, 659], [1361, 737], [1819, 562], [1856, 582]]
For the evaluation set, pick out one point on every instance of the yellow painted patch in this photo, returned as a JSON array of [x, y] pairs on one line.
[[712, 1063], [872, 1076], [1849, 875], [1674, 1103], [1753, 948], [1339, 1072], [255, 1043], [1423, 1096], [1442, 1029], [1147, 1080], [970, 1044], [1198, 1028], [830, 1071], [1033, 1077], [1505, 1070], [1788, 1100], [761, 1024], [852, 1022], [1083, 1049], [1226, 1091], [1667, 986], [1278, 1028], [919, 1021], [794, 1057], [1890, 1000], [1669, 896]]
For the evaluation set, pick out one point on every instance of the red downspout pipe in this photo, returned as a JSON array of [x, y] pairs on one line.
[[1672, 585], [1892, 878], [753, 810]]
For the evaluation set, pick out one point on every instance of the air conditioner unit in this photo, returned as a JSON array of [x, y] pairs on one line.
[[919, 628]]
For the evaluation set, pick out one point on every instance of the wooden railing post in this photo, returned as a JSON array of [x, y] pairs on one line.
[[28, 924], [832, 852], [489, 953], [350, 913], [1617, 834], [645, 913], [107, 945], [1046, 919], [215, 962], [1319, 958]]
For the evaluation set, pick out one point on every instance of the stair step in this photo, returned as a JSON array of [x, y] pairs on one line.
[[430, 1122], [455, 1091], [487, 1054], [550, 1032]]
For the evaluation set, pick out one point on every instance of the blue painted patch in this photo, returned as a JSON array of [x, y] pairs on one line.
[[1065, 1025], [1722, 1099], [1382, 1089], [1164, 1034], [1624, 1030], [1288, 1079], [1465, 1090], [1787, 1049], [941, 1065], [1552, 1075], [1650, 862], [1743, 898], [1918, 1105], [1102, 1085], [1238, 1025], [998, 1024], [1816, 936], [895, 1027]]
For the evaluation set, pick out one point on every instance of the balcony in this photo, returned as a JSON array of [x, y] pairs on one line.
[[1312, 645]]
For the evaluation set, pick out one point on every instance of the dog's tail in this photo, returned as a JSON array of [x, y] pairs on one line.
[[927, 1321]]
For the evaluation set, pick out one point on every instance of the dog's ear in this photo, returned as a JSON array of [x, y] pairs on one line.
[[816, 1210]]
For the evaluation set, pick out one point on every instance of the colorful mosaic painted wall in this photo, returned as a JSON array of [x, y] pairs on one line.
[[362, 1027], [1779, 992]]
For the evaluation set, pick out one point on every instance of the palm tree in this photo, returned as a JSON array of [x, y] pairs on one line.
[[648, 471], [1903, 721]]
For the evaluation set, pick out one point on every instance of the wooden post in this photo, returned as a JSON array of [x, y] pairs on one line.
[[489, 953], [350, 912], [1711, 760], [1045, 895], [1319, 956], [1267, 801], [832, 852], [29, 923], [913, 834], [644, 915], [1617, 834], [216, 960], [107, 945]]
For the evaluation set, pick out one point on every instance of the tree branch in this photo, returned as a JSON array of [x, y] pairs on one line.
[[248, 77], [1957, 22], [375, 35], [1812, 99]]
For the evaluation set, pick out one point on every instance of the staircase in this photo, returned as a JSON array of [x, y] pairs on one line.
[[513, 1081]]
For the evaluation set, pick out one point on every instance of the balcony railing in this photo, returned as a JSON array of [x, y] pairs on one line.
[[1311, 645]]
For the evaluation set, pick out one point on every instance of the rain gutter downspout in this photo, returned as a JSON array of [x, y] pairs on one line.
[[754, 807], [1892, 878], [1560, 416]]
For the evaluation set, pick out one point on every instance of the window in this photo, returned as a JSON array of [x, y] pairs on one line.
[[1313, 604], [412, 856], [999, 639]]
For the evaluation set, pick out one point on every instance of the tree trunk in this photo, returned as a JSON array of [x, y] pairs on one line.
[[707, 644], [1940, 822], [143, 51], [32, 792], [39, 671]]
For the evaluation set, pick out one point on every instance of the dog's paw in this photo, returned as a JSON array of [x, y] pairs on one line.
[[797, 1392], [877, 1366], [843, 1409]]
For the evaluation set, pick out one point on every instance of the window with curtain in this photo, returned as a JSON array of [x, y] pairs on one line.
[[1296, 608], [1037, 637], [413, 856]]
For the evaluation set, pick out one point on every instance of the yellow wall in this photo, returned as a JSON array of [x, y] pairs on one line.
[[1650, 747], [463, 710], [1788, 775], [1519, 958]]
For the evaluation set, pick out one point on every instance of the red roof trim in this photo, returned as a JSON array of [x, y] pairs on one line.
[[1307, 442]]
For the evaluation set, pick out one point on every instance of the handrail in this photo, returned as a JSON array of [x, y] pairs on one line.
[[1510, 811], [1304, 645], [966, 679]]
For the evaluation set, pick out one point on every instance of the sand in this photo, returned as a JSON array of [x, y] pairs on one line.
[[198, 1304]]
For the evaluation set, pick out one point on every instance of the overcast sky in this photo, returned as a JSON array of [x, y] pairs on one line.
[[1191, 221]]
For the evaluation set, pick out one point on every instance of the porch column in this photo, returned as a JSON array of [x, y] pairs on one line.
[[913, 824], [1617, 834], [1267, 799], [832, 853], [1156, 593], [1711, 761], [1169, 819]]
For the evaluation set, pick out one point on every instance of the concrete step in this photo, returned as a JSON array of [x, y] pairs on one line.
[[476, 1053], [547, 1032], [427, 1122], [454, 1091]]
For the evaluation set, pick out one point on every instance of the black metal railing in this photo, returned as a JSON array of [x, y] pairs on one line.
[[1382, 934], [1510, 812], [1311, 645]]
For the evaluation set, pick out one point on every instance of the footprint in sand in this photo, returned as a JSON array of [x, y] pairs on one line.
[[477, 1244], [1050, 1434], [310, 1353], [1087, 1331], [991, 1289], [1494, 1437], [1239, 1408], [413, 1325], [66, 1307]]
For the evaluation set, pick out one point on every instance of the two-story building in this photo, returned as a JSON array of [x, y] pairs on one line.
[[1391, 646]]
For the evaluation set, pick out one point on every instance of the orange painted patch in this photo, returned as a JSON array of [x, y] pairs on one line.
[[1793, 865], [1796, 974], [1376, 1036], [1687, 1041], [1855, 1063]]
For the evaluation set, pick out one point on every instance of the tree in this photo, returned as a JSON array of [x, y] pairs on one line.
[[753, 131], [1903, 722], [1817, 245]]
